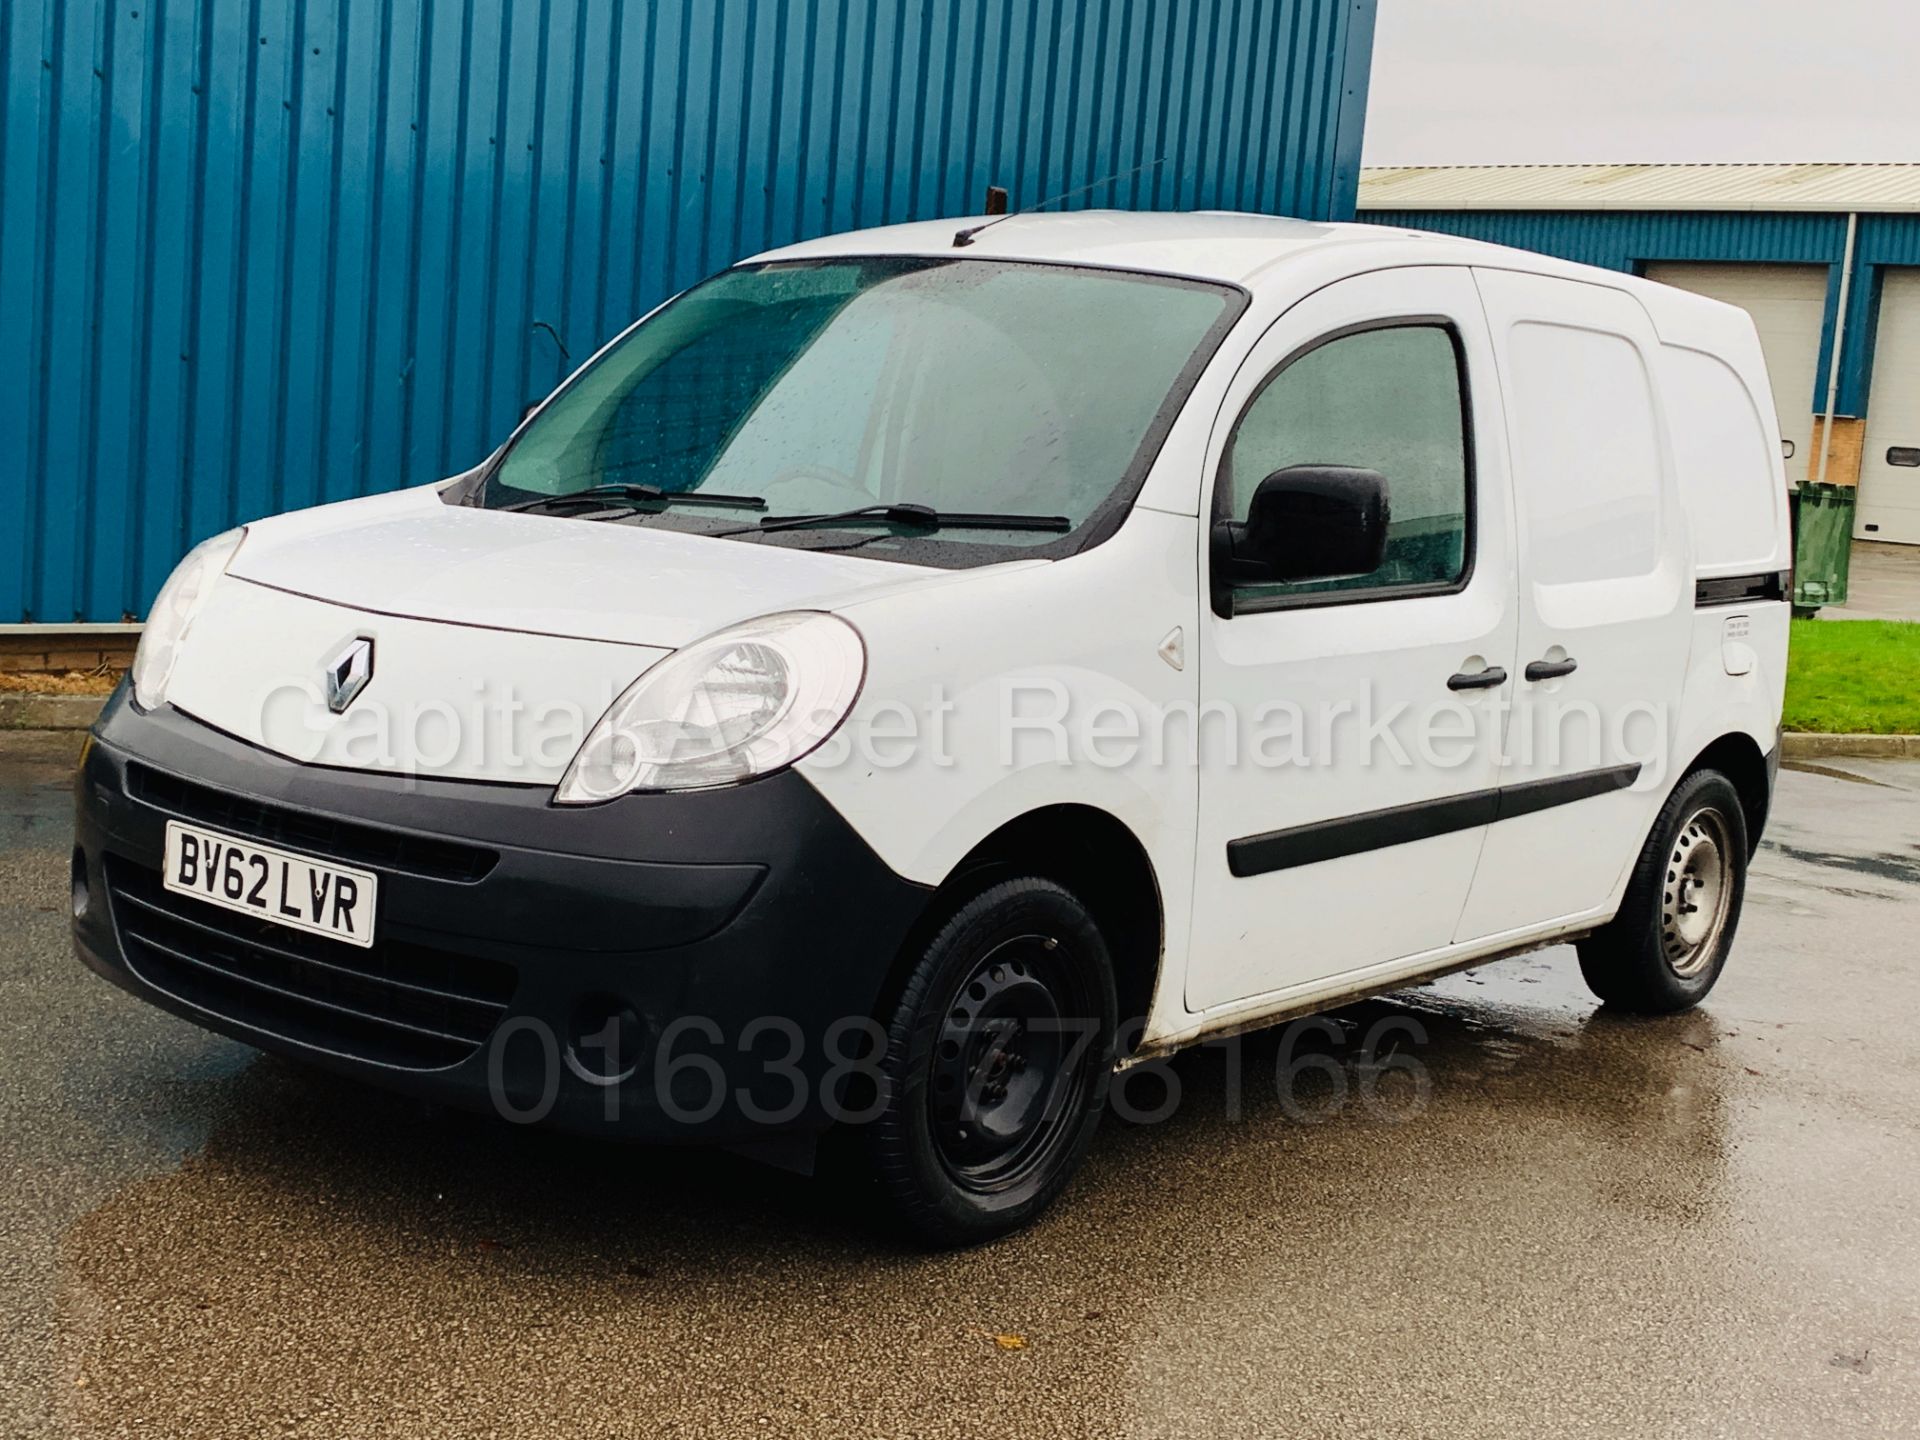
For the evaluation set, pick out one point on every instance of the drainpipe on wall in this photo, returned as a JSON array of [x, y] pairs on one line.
[[1823, 531], [1839, 340]]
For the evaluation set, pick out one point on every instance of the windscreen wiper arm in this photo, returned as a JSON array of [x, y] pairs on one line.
[[642, 494], [917, 517]]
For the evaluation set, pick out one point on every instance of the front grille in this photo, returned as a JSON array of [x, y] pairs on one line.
[[341, 840], [395, 1004]]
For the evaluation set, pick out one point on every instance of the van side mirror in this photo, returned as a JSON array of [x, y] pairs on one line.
[[1306, 522]]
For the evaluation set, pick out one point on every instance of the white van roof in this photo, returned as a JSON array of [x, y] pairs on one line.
[[1220, 245], [1205, 245]]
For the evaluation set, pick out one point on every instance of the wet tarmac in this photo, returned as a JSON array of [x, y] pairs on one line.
[[1522, 1216]]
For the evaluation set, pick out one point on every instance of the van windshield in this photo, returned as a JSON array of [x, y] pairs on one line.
[[978, 386]]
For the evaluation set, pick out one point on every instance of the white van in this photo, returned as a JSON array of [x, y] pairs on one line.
[[915, 672]]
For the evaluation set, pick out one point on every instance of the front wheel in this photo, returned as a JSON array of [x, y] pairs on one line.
[[1668, 944], [999, 1052]]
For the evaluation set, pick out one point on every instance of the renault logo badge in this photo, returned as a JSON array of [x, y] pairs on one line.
[[348, 674]]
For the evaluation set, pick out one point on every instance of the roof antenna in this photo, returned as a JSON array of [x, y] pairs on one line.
[[997, 202]]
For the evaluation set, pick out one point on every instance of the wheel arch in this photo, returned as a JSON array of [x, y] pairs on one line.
[[1089, 852], [1739, 757]]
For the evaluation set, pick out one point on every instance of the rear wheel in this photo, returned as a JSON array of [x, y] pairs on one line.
[[1666, 948], [999, 1052]]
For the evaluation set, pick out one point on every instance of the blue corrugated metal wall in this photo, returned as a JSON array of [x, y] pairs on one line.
[[1631, 239], [257, 254]]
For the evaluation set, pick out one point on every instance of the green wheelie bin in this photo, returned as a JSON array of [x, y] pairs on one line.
[[1822, 541]]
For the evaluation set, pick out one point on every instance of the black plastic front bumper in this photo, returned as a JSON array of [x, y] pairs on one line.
[[735, 940]]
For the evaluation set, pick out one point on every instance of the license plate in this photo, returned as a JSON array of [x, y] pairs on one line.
[[273, 884]]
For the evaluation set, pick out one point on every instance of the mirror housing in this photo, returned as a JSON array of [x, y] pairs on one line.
[[1306, 522]]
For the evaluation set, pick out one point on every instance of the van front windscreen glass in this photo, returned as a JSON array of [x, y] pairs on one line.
[[962, 385]]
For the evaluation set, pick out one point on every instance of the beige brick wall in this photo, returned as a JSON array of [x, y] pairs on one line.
[[55, 653]]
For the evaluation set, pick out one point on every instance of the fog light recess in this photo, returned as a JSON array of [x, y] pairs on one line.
[[606, 1039]]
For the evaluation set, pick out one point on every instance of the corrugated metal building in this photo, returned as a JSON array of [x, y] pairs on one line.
[[1784, 241], [258, 254]]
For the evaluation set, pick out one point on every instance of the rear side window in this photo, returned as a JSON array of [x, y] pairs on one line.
[[1725, 462], [1586, 437], [1390, 399]]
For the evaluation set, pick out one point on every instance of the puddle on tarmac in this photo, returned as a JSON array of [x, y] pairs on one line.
[[1882, 867]]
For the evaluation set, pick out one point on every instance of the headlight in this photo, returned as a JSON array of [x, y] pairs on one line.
[[172, 615], [743, 702]]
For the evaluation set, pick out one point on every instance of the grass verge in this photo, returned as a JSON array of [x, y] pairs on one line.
[[1854, 677]]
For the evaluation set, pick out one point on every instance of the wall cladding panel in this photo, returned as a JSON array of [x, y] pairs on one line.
[[259, 254]]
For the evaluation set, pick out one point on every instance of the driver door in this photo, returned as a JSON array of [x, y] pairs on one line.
[[1343, 831]]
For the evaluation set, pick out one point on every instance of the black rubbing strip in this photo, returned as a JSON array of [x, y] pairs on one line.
[[1422, 820], [1530, 796], [1352, 834]]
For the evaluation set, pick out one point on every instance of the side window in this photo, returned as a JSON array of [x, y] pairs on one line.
[[1390, 399], [1587, 451], [1725, 461]]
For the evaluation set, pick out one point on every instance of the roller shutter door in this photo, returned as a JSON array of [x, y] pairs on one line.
[[1890, 489], [1787, 303]]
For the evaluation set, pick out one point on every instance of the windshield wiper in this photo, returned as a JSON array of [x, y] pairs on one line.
[[642, 494], [917, 517]]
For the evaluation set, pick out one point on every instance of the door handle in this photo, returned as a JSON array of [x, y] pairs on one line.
[[1551, 669], [1477, 680]]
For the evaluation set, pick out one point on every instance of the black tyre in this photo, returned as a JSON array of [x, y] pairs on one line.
[[1668, 944], [999, 1053]]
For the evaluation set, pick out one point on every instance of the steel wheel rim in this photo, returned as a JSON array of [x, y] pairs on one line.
[[1010, 1065], [1696, 892]]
